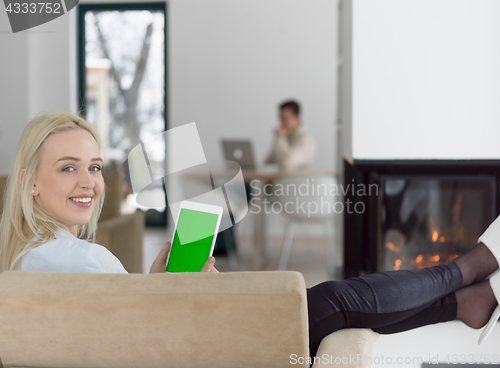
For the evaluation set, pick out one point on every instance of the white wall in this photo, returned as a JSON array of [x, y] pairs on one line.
[[13, 92], [37, 74], [232, 62], [345, 64], [426, 79]]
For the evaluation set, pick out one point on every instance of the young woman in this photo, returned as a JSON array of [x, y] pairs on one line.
[[54, 196]]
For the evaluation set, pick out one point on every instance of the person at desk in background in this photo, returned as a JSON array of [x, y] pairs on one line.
[[293, 147]]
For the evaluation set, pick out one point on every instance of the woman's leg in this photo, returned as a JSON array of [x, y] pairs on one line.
[[442, 310], [472, 305], [377, 300], [383, 301], [477, 263]]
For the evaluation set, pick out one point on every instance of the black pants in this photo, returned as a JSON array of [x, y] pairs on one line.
[[386, 302]]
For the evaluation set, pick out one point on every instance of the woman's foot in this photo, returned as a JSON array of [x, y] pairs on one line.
[[475, 304], [476, 264]]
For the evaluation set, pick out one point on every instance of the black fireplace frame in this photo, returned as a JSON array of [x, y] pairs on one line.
[[360, 234]]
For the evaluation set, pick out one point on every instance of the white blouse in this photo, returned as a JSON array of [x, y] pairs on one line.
[[67, 253]]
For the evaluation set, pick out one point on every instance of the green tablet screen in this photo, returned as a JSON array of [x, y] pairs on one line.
[[192, 241]]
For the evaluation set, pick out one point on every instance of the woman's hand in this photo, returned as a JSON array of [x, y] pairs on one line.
[[209, 265], [160, 263]]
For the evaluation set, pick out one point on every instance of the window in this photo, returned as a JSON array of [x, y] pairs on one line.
[[122, 83]]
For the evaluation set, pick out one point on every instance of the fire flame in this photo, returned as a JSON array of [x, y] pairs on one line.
[[435, 258], [435, 232], [392, 247], [448, 233], [424, 260], [435, 236], [397, 264]]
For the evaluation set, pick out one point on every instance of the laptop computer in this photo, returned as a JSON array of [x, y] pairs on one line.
[[241, 152]]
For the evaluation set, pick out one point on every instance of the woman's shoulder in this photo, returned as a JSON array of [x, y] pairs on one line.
[[71, 254]]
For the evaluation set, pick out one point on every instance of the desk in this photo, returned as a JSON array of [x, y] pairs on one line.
[[260, 240]]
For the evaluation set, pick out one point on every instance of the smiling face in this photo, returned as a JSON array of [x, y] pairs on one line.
[[68, 179]]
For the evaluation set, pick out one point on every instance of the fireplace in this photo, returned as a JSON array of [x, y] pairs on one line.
[[415, 213]]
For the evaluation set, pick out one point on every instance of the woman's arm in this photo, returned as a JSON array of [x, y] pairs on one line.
[[160, 262]]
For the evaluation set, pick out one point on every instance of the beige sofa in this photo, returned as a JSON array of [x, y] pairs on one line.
[[235, 319], [121, 233]]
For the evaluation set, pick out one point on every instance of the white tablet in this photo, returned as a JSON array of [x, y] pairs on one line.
[[194, 237]]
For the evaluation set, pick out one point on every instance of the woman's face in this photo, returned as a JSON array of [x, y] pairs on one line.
[[68, 180]]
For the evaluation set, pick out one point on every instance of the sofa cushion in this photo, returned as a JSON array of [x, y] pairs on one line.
[[234, 319]]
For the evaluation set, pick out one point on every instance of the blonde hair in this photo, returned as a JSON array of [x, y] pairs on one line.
[[22, 217]]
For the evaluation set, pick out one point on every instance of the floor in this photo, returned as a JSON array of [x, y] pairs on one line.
[[308, 255]]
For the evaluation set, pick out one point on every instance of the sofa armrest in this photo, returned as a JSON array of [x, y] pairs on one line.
[[123, 236], [347, 348]]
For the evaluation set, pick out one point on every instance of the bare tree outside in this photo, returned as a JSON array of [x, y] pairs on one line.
[[125, 69]]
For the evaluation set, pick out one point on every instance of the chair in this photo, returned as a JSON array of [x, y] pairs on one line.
[[233, 319], [122, 234], [318, 197]]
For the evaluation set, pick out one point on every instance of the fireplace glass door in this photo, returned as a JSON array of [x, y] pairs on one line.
[[428, 220]]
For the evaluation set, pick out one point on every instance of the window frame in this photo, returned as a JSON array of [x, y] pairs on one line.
[[82, 9]]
